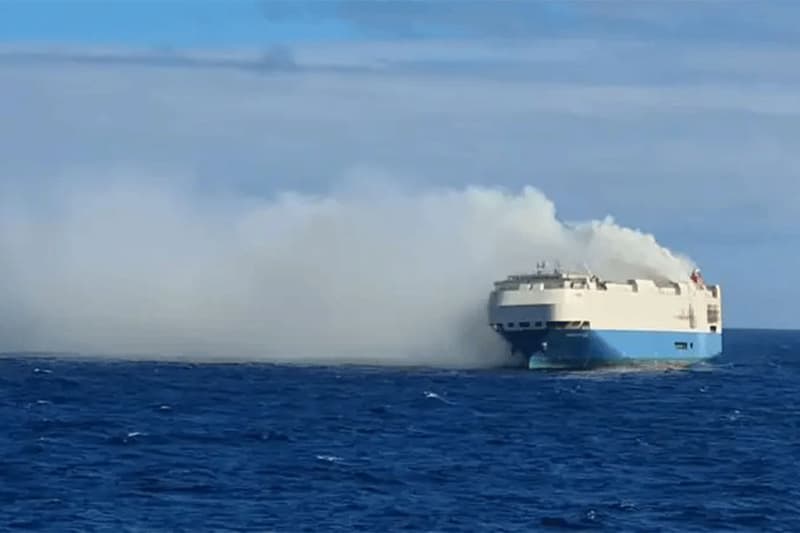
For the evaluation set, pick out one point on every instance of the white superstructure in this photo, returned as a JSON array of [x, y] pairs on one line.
[[572, 300]]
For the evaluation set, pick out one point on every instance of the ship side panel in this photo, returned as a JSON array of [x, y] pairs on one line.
[[638, 345], [583, 349], [643, 306]]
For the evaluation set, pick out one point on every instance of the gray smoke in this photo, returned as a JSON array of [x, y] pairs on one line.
[[368, 273]]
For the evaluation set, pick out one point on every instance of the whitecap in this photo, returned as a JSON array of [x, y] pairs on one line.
[[434, 396], [734, 415], [329, 458]]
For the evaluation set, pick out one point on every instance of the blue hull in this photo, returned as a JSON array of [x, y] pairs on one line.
[[564, 348]]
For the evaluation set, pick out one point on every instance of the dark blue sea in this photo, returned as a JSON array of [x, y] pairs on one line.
[[144, 446]]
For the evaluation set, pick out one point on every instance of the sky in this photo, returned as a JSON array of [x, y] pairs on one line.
[[678, 119]]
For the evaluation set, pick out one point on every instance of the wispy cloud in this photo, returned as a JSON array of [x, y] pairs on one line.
[[275, 58], [676, 20]]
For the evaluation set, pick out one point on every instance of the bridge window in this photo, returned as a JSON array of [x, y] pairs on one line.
[[681, 345], [524, 324], [538, 324]]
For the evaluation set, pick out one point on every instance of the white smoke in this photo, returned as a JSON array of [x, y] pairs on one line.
[[366, 274]]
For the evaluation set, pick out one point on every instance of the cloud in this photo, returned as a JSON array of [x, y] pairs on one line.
[[679, 20], [272, 59], [682, 142]]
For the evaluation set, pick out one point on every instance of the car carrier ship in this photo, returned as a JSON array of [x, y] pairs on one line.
[[576, 320]]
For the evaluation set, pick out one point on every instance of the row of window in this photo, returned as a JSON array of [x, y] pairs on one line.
[[553, 324], [523, 325]]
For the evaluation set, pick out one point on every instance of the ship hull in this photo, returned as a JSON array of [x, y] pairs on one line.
[[584, 349]]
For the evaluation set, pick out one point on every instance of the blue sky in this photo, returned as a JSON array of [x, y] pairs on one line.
[[258, 22], [678, 118], [150, 23]]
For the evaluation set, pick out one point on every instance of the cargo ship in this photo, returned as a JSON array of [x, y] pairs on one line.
[[574, 320]]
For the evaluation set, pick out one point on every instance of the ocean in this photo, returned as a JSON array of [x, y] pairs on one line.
[[104, 445]]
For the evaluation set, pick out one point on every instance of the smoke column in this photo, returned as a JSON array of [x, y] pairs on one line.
[[365, 274]]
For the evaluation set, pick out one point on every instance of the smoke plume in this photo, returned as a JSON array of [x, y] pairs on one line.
[[367, 273]]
